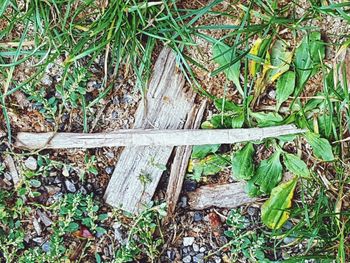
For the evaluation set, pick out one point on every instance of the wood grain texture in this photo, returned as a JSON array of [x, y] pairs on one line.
[[180, 162], [166, 107], [151, 137], [219, 195], [11, 166]]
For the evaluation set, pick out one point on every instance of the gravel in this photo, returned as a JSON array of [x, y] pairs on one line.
[[187, 259], [195, 247], [70, 186], [190, 186], [198, 216], [188, 241], [31, 163]]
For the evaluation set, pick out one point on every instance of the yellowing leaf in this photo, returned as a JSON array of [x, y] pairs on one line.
[[280, 60], [274, 212], [260, 83], [254, 51]]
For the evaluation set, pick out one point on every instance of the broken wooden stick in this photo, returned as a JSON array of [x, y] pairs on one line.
[[139, 169], [149, 137], [219, 195], [180, 162]]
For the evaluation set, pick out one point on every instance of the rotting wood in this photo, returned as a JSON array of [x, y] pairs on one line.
[[139, 169], [180, 161], [149, 137], [219, 195]]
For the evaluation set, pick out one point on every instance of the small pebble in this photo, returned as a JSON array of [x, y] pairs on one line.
[[52, 189], [171, 254], [188, 241], [198, 259], [70, 186], [185, 251], [46, 247], [272, 94], [31, 163], [38, 240], [190, 186], [44, 218], [202, 249], [195, 247], [252, 211], [187, 259], [288, 240], [217, 259], [198, 216], [183, 201], [110, 155], [109, 169], [288, 225]]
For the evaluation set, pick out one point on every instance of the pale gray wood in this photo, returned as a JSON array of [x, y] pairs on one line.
[[167, 105], [151, 137], [219, 195], [11, 166], [180, 162]]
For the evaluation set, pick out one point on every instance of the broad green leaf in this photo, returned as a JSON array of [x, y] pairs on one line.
[[284, 87], [224, 55], [280, 60], [267, 176], [242, 163], [266, 119], [237, 121], [210, 165], [320, 146], [227, 106], [274, 212], [221, 121], [200, 151], [297, 166], [307, 57]]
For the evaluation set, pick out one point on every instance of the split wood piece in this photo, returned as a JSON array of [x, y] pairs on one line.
[[151, 137], [10, 164], [139, 169], [219, 195], [180, 161]]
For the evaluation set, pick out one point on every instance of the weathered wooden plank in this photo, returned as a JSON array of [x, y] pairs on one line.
[[151, 137], [219, 195], [11, 166], [180, 162], [139, 169]]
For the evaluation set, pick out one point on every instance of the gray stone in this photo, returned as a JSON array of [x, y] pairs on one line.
[[198, 216], [288, 240], [202, 249], [70, 186], [188, 241], [195, 247], [183, 201], [31, 163], [252, 211], [44, 218], [187, 259], [171, 254], [46, 246], [109, 169], [217, 259], [198, 259]]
